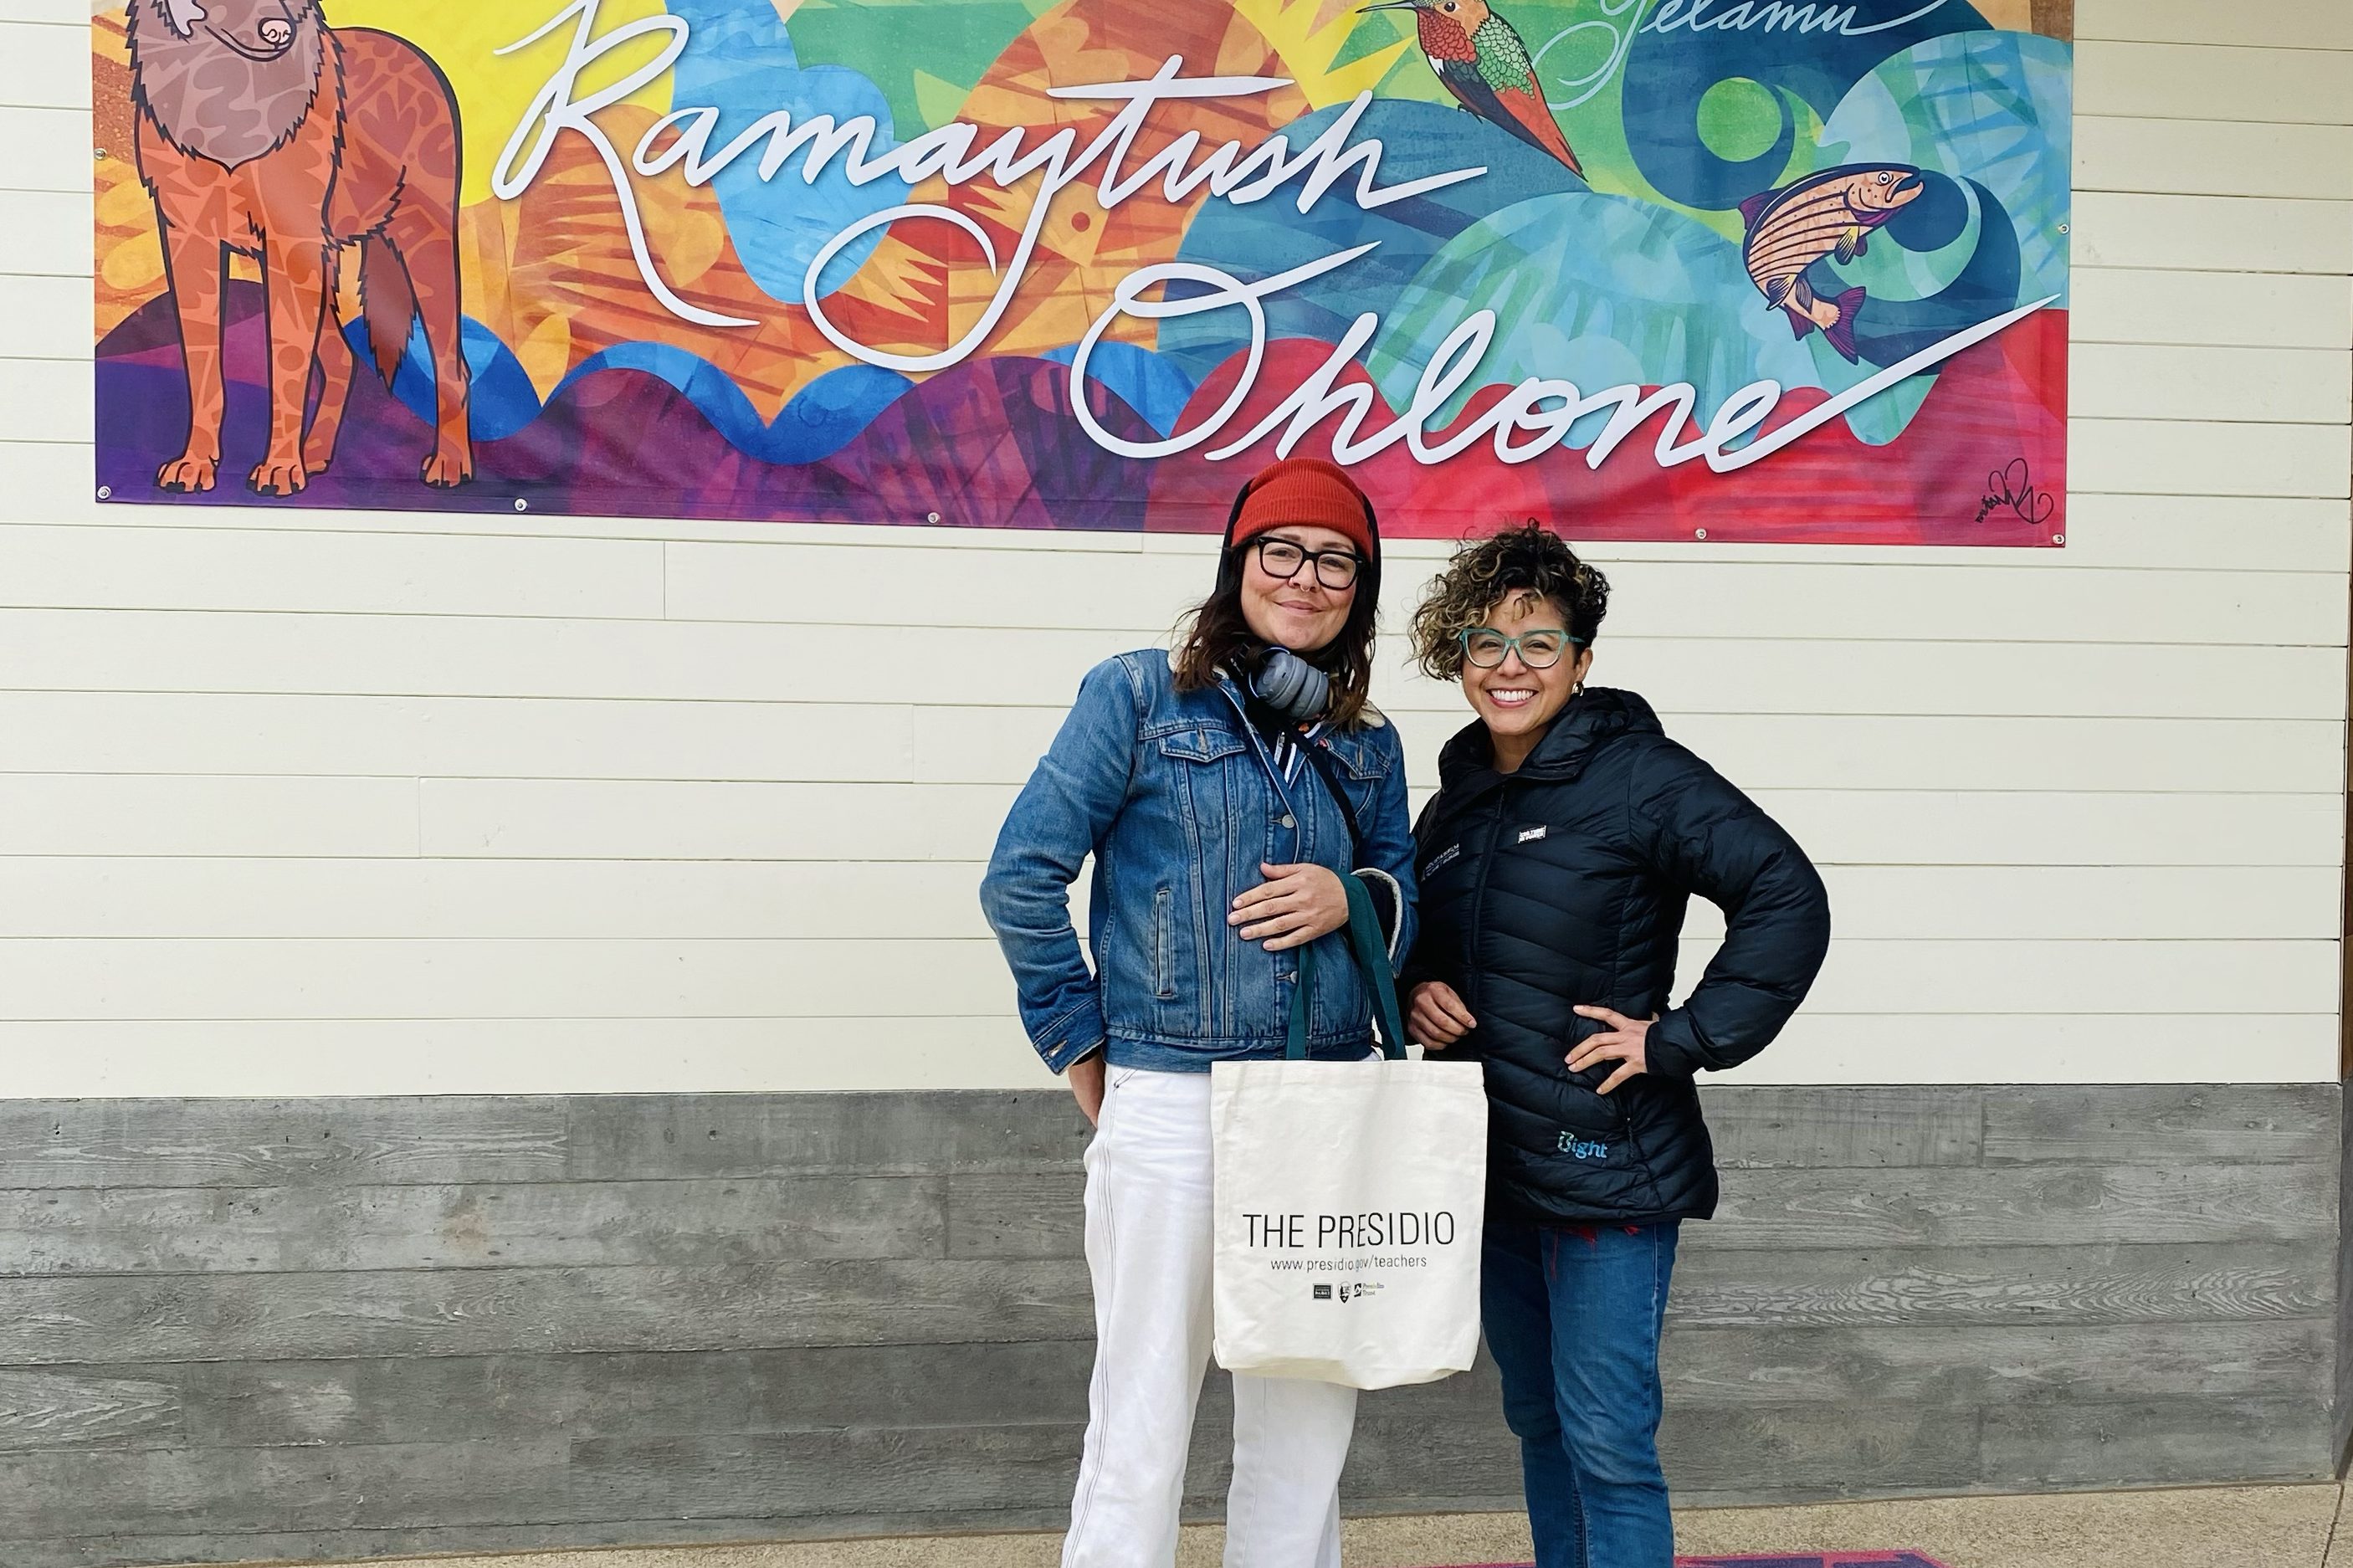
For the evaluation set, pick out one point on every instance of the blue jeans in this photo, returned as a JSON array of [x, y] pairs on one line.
[[1573, 1318]]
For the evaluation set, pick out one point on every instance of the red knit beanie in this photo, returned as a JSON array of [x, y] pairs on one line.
[[1306, 490]]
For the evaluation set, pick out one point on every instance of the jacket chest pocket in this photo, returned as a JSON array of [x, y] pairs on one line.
[[1205, 745], [1360, 769], [1203, 768]]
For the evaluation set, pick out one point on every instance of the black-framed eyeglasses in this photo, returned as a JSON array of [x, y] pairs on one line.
[[1539, 649], [1334, 568]]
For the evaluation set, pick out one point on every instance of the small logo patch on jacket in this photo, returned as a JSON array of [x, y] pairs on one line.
[[1444, 858], [1582, 1148], [1530, 835]]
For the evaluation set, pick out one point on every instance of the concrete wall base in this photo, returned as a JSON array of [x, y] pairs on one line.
[[238, 1330]]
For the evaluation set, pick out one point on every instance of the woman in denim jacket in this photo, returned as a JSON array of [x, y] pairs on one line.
[[1209, 790]]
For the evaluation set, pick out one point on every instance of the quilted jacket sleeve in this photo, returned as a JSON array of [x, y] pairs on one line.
[[1706, 837]]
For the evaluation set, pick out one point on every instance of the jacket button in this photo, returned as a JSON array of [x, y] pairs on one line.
[[1286, 821]]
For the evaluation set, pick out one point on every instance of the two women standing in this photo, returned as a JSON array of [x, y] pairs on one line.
[[1224, 790]]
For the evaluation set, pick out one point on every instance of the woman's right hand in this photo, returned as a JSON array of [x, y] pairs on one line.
[[1086, 1082], [1438, 1017]]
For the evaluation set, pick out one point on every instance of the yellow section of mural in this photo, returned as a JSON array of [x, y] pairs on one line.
[[127, 256], [1308, 36], [497, 90]]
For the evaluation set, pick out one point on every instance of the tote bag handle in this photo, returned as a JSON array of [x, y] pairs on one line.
[[1372, 958]]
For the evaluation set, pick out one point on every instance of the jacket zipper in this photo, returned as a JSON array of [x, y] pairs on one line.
[[1641, 1158], [1479, 894]]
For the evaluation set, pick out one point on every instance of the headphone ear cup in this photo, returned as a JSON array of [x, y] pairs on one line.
[[1293, 686]]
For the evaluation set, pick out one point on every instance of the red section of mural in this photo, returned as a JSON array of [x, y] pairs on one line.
[[1828, 485]]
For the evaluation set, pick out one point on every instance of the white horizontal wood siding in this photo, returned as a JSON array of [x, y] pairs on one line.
[[300, 803]]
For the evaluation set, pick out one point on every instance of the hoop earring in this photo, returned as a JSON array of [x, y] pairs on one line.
[[1577, 690]]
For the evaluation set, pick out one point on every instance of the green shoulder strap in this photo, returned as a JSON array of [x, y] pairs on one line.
[[1372, 956]]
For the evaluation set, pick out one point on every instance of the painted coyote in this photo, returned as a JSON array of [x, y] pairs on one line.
[[263, 131]]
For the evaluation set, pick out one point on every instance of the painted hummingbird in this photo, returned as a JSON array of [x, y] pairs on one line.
[[1484, 62]]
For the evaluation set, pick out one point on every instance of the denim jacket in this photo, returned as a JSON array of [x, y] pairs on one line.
[[1176, 796]]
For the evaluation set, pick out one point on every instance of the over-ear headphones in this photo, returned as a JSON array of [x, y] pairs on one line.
[[1291, 687]]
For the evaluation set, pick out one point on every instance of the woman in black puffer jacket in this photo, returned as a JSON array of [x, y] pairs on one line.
[[1568, 835]]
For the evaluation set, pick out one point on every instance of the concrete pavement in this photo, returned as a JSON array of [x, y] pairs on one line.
[[2221, 1527]]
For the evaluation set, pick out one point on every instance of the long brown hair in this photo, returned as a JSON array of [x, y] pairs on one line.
[[1215, 637]]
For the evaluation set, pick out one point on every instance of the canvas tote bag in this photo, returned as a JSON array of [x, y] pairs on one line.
[[1348, 1200]]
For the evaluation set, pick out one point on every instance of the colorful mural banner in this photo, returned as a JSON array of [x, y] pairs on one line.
[[1726, 269]]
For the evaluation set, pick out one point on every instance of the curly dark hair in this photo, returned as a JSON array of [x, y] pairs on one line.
[[1525, 559]]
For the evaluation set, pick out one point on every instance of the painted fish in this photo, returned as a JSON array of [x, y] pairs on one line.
[[1829, 213]]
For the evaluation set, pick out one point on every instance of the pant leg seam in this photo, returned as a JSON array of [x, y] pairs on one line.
[[1548, 1241], [1084, 1503], [1583, 1515]]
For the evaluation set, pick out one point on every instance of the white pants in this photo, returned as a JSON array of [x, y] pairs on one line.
[[1148, 1248]]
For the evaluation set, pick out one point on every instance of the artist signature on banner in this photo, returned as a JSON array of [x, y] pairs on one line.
[[2013, 487]]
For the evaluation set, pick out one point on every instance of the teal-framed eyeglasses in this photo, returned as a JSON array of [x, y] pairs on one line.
[[1539, 649]]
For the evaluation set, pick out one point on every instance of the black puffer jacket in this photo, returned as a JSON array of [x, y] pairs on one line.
[[1565, 883]]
